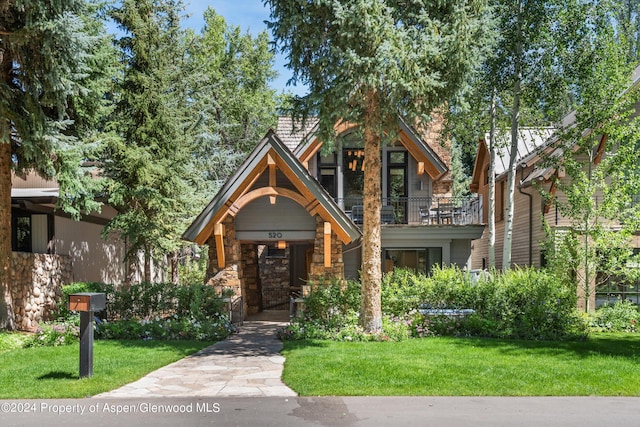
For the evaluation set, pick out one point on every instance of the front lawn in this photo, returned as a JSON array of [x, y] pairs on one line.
[[52, 372], [605, 365]]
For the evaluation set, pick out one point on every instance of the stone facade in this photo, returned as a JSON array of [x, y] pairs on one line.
[[37, 286], [318, 272], [252, 276], [251, 286], [227, 278]]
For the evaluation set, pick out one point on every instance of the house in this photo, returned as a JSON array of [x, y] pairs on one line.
[[50, 249], [531, 210], [291, 213]]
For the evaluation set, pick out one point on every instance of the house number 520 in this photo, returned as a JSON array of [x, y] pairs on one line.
[[275, 235]]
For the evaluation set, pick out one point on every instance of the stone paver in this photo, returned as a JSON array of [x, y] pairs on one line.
[[246, 364]]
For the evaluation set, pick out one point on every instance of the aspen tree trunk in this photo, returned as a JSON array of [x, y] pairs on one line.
[[513, 152], [492, 182]]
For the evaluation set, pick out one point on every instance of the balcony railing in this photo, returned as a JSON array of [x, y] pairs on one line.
[[436, 210]]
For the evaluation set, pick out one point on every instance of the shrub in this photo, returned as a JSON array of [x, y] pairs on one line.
[[448, 287], [148, 300], [52, 335], [154, 311], [623, 316], [403, 291], [172, 328], [521, 303], [334, 305], [529, 304]]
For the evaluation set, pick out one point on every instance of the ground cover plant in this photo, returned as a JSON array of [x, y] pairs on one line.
[[52, 372], [604, 365]]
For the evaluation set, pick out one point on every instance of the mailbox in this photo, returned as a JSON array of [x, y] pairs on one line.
[[87, 301]]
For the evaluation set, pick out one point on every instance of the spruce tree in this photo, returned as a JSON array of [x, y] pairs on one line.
[[147, 163], [368, 61], [43, 52]]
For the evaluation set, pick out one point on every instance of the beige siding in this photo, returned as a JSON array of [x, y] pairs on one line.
[[31, 180], [94, 259]]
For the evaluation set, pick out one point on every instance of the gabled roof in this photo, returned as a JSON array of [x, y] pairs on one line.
[[530, 142], [272, 154], [303, 142]]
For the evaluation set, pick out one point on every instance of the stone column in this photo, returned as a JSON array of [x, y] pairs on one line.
[[318, 272], [251, 289], [227, 277]]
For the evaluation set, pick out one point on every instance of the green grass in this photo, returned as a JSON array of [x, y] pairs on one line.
[[11, 340], [605, 365], [52, 372]]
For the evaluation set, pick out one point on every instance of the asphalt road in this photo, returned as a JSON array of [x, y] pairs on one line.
[[325, 411]]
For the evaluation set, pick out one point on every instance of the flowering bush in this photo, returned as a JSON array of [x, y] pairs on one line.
[[172, 328], [307, 328], [53, 335], [623, 316]]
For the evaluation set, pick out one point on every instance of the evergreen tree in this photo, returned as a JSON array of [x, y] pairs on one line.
[[232, 96], [43, 53], [147, 164], [366, 62]]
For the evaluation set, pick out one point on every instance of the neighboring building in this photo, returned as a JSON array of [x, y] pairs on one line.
[[531, 210], [528, 232], [51, 250], [291, 212]]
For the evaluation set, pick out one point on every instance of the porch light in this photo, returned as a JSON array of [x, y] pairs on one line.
[[281, 244]]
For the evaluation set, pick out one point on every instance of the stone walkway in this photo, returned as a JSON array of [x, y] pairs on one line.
[[246, 364]]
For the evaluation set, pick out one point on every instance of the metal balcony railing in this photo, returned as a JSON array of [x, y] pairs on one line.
[[436, 210]]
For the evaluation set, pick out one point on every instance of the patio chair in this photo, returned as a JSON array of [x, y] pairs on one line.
[[357, 214], [387, 215]]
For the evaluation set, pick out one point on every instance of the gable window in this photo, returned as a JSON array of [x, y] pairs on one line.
[[327, 173], [31, 232]]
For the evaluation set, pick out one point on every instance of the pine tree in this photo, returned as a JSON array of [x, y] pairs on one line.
[[366, 62], [43, 52], [147, 164]]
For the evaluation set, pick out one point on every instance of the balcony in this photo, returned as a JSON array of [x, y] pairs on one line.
[[436, 210]]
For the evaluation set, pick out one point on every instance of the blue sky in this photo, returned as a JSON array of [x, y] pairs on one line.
[[250, 16]]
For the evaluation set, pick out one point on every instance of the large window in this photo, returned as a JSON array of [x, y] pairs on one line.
[[420, 260], [397, 184], [353, 176], [31, 232]]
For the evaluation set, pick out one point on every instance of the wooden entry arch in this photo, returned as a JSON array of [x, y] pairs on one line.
[[272, 193]]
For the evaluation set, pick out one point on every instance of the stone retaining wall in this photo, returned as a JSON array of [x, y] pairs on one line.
[[37, 281]]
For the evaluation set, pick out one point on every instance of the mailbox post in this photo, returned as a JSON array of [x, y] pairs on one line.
[[86, 303]]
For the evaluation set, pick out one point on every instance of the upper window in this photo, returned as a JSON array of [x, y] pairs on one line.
[[327, 173]]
